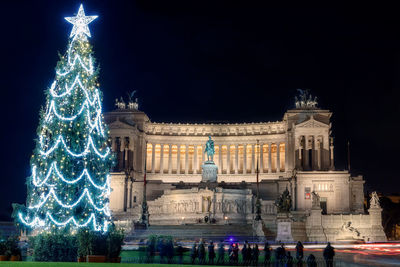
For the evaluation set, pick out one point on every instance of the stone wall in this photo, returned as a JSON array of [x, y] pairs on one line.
[[188, 206], [360, 227]]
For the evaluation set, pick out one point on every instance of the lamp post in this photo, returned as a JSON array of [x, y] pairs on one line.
[[258, 203], [145, 213]]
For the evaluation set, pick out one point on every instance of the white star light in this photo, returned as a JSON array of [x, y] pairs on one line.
[[80, 22]]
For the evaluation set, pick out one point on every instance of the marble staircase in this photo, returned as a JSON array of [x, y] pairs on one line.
[[196, 231]]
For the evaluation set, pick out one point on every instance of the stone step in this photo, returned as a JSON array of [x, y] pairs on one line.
[[193, 232]]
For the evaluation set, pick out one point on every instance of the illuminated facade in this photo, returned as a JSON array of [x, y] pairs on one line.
[[295, 153]]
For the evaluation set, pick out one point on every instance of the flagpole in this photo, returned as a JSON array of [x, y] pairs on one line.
[[145, 214], [258, 204], [348, 155]]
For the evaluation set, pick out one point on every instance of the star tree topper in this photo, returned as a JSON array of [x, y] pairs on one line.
[[80, 22]]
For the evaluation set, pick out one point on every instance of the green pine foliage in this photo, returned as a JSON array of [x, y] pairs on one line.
[[69, 186]]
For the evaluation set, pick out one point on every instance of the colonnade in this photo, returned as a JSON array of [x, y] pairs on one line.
[[123, 148], [230, 159], [314, 153]]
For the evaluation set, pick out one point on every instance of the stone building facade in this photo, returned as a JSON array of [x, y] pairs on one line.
[[296, 153]]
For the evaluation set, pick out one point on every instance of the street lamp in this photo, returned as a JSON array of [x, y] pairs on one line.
[[226, 219]]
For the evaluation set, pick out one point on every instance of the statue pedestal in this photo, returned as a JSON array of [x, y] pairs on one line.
[[210, 171], [258, 229], [315, 231], [284, 227], [377, 232]]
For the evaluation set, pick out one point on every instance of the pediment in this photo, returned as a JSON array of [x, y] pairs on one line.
[[312, 123], [120, 125]]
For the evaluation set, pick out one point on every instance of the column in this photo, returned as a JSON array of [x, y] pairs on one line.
[[278, 157], [178, 160], [253, 156], [306, 154], [220, 159], [269, 158], [332, 165], [186, 159], [129, 197], [170, 159], [126, 150], [195, 167], [301, 153], [153, 157], [121, 152], [261, 162], [131, 145], [113, 144], [122, 142], [312, 157], [286, 155], [244, 159], [131, 149], [162, 159], [300, 148], [228, 159], [318, 155], [236, 159]]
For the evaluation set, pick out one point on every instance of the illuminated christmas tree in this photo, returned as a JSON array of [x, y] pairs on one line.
[[70, 183]]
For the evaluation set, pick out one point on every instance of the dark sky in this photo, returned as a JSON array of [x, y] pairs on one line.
[[213, 61]]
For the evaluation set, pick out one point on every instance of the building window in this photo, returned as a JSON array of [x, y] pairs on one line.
[[134, 199], [323, 186]]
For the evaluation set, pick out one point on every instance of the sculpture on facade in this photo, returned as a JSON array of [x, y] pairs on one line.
[[315, 200], [132, 103], [374, 202], [305, 100], [120, 104], [351, 231], [131, 95], [209, 150], [284, 202]]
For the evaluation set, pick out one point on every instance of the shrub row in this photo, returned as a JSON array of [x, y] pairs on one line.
[[62, 246], [9, 247]]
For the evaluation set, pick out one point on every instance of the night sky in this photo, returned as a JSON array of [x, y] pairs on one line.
[[209, 62]]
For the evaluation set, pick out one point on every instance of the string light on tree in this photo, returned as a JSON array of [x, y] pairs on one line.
[[72, 139]]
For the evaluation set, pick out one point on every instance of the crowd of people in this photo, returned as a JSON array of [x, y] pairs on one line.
[[249, 253], [211, 254]]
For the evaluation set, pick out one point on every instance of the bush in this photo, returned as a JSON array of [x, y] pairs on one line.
[[54, 247], [3, 247], [83, 242], [62, 246], [12, 246], [96, 243], [115, 242]]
